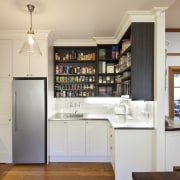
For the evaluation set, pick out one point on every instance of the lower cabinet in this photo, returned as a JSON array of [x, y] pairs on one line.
[[6, 142], [132, 151], [67, 138], [5, 120], [96, 138], [111, 149], [172, 149], [58, 138], [79, 141], [76, 138]]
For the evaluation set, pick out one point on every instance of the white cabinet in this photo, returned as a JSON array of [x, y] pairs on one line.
[[79, 141], [67, 138], [96, 138], [133, 150], [111, 146], [5, 120], [172, 149], [76, 138], [29, 66], [58, 138], [5, 58], [5, 141]]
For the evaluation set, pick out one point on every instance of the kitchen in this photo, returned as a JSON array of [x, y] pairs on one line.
[[88, 105]]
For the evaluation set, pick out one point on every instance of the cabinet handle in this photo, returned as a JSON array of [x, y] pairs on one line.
[[86, 122], [31, 75], [9, 120], [111, 147], [111, 135], [9, 74], [27, 74]]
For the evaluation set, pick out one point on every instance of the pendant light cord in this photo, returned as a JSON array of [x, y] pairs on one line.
[[30, 9]]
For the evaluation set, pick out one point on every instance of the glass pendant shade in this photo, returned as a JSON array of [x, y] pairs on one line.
[[30, 45]]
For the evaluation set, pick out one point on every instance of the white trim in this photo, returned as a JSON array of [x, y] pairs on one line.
[[105, 40], [75, 42], [79, 159], [22, 34]]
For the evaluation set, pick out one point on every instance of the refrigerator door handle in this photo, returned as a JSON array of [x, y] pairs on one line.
[[15, 124]]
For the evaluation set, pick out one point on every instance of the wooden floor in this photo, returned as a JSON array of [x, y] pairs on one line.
[[57, 171]]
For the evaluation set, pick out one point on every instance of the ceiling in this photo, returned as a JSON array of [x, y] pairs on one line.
[[79, 19]]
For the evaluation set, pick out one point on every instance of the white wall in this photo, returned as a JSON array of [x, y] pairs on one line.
[[173, 47]]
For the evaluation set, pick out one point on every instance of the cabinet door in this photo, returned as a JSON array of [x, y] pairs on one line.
[[58, 138], [76, 138], [172, 149], [20, 62], [38, 64], [5, 58], [142, 64], [5, 98], [5, 141], [112, 145], [5, 120], [96, 138]]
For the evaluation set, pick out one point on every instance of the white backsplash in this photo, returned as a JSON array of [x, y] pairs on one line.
[[137, 109]]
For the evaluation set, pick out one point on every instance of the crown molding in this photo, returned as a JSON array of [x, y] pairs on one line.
[[105, 40], [75, 42], [137, 16], [22, 34]]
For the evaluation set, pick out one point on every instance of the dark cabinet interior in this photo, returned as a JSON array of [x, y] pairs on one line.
[[126, 68], [107, 66], [74, 71]]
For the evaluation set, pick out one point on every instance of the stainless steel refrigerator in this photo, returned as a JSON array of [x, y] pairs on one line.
[[29, 121]]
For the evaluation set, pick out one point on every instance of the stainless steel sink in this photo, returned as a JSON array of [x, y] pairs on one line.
[[66, 116], [75, 115]]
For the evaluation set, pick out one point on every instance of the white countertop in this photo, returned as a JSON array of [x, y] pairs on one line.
[[117, 121]]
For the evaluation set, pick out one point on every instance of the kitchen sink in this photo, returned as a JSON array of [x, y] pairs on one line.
[[69, 115], [75, 115]]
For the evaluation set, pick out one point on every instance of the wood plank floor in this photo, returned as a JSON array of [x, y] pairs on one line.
[[57, 171]]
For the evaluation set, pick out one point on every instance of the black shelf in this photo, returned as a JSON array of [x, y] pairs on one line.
[[75, 61], [75, 71], [125, 52], [107, 69]]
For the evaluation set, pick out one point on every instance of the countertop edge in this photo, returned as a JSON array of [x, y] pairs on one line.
[[115, 126]]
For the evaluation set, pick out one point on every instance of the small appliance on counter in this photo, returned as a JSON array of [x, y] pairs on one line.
[[121, 108]]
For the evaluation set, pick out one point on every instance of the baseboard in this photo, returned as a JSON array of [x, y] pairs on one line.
[[79, 159]]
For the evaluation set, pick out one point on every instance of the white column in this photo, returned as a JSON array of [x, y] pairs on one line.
[[159, 89]]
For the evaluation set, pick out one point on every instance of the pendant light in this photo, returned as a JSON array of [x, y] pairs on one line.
[[30, 45]]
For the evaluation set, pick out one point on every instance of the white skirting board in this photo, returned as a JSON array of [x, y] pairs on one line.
[[78, 159]]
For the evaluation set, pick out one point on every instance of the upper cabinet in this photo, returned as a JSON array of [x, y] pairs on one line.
[[136, 62], [29, 66], [142, 55], [125, 68], [108, 59], [74, 71], [5, 58]]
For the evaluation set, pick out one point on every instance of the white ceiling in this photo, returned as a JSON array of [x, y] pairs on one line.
[[79, 19]]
